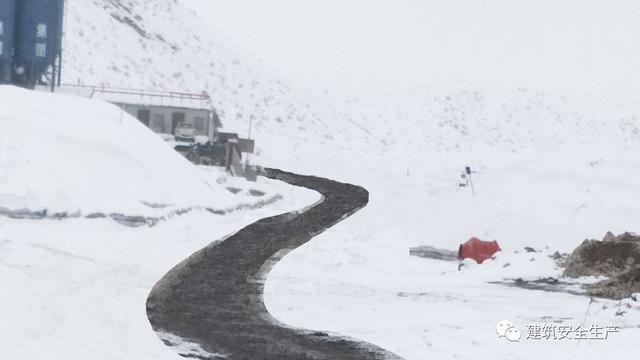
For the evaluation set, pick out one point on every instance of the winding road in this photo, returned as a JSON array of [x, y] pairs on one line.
[[215, 297]]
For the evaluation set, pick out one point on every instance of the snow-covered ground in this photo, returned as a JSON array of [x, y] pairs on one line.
[[552, 172], [76, 288], [359, 279]]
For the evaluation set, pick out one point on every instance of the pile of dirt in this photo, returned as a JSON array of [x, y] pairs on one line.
[[620, 287], [616, 257]]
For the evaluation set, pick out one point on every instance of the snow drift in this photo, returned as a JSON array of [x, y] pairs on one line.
[[66, 154]]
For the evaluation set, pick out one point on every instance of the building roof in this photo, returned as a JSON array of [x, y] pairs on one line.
[[142, 97]]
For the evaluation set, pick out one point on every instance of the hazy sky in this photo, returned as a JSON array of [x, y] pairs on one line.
[[355, 45]]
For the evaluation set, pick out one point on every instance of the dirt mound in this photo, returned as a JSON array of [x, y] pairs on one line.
[[609, 257], [620, 287], [617, 257]]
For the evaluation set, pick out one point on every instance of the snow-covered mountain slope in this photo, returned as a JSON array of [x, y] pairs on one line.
[[169, 45], [436, 124], [164, 44]]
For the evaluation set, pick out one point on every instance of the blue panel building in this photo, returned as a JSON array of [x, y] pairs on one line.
[[36, 41], [7, 25]]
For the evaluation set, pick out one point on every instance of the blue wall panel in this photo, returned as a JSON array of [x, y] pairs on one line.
[[7, 25], [39, 35]]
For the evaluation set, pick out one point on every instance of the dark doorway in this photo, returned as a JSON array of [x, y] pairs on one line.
[[176, 119], [144, 116]]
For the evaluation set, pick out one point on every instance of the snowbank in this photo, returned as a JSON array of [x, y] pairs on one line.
[[68, 154]]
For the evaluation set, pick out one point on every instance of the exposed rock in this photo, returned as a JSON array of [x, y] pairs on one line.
[[256, 193], [609, 236], [559, 259]]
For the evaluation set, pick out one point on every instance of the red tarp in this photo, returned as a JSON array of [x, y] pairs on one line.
[[478, 250]]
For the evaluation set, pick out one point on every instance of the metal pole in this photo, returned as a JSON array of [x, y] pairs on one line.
[[473, 190], [246, 160], [62, 27], [467, 170], [59, 68], [53, 77]]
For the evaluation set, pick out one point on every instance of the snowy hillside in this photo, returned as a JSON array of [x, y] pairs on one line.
[[165, 45], [185, 51], [507, 120]]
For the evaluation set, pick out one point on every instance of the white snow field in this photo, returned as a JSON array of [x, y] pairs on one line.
[[76, 288], [553, 171], [359, 279]]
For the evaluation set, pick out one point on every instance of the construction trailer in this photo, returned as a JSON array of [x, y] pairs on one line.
[[31, 42], [161, 111]]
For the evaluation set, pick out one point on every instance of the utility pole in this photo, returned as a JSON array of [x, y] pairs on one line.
[[467, 171], [246, 161], [250, 126]]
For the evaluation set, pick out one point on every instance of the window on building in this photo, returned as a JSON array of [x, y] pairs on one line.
[[200, 125], [1, 47], [41, 50], [157, 123], [144, 116], [41, 31], [1, 28]]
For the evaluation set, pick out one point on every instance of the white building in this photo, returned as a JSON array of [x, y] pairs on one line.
[[161, 111]]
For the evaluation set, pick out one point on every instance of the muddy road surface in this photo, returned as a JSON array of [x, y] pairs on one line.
[[215, 297]]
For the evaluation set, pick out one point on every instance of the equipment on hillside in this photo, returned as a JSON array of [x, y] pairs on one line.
[[466, 180]]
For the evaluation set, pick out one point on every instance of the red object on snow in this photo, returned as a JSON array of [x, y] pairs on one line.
[[478, 250]]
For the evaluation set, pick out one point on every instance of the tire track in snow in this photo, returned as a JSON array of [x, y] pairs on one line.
[[215, 297]]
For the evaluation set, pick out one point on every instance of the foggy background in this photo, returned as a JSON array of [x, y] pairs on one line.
[[355, 47]]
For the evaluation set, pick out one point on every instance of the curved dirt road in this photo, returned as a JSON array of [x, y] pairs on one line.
[[215, 297]]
